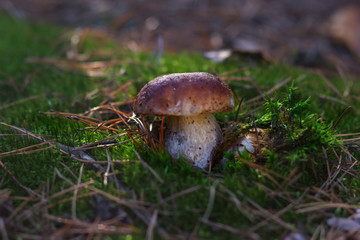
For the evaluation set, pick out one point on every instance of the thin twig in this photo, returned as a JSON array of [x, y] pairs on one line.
[[273, 89], [341, 116], [73, 204], [20, 101], [147, 166], [265, 213], [106, 174], [223, 227], [4, 234], [310, 207], [28, 190], [210, 202], [152, 224], [178, 194]]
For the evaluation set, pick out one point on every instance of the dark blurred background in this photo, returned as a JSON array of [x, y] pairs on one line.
[[317, 34]]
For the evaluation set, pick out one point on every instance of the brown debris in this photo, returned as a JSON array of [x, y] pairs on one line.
[[345, 28]]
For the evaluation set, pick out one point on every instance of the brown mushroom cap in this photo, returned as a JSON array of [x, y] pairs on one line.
[[184, 94]]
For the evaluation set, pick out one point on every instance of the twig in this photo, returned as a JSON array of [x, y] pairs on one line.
[[210, 202], [28, 190], [286, 81], [346, 134], [279, 213], [152, 224], [106, 174], [92, 146], [20, 101], [36, 207], [310, 207], [321, 96], [239, 107], [4, 235], [86, 146], [350, 140], [265, 213], [63, 177], [73, 207], [341, 116], [147, 166], [178, 194], [82, 227], [349, 154], [22, 151], [67, 150], [223, 227], [237, 203], [329, 83]]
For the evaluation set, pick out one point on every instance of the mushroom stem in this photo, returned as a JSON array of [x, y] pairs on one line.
[[193, 137]]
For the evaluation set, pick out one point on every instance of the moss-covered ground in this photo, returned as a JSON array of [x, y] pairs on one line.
[[65, 86]]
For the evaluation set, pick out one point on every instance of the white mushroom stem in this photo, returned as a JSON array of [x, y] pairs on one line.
[[193, 137]]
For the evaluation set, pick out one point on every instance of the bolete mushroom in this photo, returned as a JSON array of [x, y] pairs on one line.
[[188, 99]]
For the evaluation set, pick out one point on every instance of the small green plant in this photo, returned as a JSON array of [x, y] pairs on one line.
[[293, 136]]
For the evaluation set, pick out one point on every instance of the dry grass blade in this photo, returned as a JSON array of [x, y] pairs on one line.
[[332, 175], [131, 204], [93, 146], [81, 227], [331, 86], [38, 206], [106, 174], [236, 78], [273, 89], [28, 190], [87, 121], [152, 224], [350, 140], [315, 206], [178, 194], [26, 150], [210, 202], [20, 101], [346, 134], [73, 207], [350, 155], [333, 99], [341, 116], [109, 107], [69, 151], [265, 171], [223, 227], [238, 204], [232, 72], [268, 215], [92, 69], [74, 116], [98, 142], [147, 166], [70, 199], [3, 232], [290, 206]]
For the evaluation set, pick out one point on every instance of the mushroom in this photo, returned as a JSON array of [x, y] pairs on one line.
[[188, 99]]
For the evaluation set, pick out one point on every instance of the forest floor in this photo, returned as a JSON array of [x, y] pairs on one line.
[[75, 162]]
